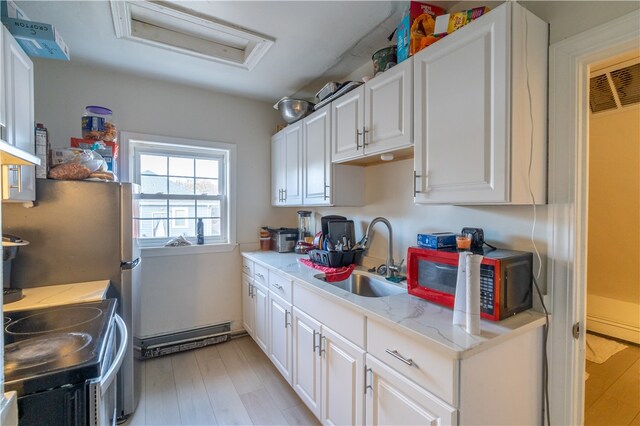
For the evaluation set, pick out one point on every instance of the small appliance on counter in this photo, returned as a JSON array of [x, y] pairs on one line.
[[505, 279], [305, 233], [10, 246], [283, 240]]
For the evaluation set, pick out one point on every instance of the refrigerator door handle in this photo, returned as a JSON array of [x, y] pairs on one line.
[[130, 265]]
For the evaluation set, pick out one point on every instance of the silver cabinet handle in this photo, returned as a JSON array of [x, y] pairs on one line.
[[250, 290], [415, 178], [368, 384], [358, 134], [259, 275], [364, 136], [315, 333], [396, 355], [284, 195], [320, 348], [324, 192], [246, 268], [278, 286], [286, 316]]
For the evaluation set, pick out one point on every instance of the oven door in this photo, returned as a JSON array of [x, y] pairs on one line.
[[103, 392]]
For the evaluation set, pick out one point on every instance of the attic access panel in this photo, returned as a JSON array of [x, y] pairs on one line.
[[172, 27]]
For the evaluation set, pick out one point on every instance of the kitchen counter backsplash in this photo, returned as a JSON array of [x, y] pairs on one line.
[[426, 321]]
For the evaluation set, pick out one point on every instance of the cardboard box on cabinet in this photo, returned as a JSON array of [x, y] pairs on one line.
[[37, 38]]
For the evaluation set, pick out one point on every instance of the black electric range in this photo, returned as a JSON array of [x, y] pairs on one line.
[[55, 348]]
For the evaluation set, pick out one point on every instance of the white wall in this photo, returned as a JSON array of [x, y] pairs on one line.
[[179, 292], [388, 193]]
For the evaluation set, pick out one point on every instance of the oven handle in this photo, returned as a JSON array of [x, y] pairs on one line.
[[106, 380]]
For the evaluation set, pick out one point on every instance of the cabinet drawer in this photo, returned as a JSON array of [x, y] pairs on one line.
[[435, 372], [280, 285], [340, 319], [261, 274], [247, 267]]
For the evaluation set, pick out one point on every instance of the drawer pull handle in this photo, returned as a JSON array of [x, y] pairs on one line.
[[315, 333], [396, 355], [278, 286], [246, 268], [259, 275]]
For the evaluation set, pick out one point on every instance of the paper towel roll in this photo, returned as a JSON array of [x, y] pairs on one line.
[[460, 301], [473, 294]]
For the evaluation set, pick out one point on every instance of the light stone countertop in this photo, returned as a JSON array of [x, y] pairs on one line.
[[56, 295], [430, 323]]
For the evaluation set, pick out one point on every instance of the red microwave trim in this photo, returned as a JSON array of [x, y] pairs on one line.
[[448, 257]]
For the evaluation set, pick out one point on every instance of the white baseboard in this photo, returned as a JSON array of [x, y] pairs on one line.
[[613, 318]]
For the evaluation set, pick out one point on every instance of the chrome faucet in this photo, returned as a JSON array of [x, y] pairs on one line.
[[391, 269]]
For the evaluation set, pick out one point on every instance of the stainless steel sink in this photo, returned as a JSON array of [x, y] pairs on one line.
[[365, 285]]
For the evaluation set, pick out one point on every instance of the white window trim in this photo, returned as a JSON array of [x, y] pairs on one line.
[[175, 143]]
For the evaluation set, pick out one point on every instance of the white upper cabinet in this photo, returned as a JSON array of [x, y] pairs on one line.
[[478, 121], [286, 166], [325, 183], [347, 113], [388, 110], [18, 117], [376, 117], [317, 157]]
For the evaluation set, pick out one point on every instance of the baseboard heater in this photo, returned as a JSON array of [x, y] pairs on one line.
[[166, 344]]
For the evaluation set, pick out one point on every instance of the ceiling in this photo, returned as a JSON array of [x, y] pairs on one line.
[[311, 37]]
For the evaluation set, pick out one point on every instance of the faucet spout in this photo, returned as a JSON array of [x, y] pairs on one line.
[[391, 268]]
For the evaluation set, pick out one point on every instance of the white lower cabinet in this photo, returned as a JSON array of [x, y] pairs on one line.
[[306, 360], [350, 369], [392, 399], [248, 305], [260, 328], [328, 372], [342, 380], [280, 335]]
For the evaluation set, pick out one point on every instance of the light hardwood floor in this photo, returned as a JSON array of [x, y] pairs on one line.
[[612, 391], [233, 383]]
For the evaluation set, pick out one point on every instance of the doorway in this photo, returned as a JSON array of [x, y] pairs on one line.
[[570, 62], [612, 376]]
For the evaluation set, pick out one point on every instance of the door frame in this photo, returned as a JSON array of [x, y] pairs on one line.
[[569, 66]]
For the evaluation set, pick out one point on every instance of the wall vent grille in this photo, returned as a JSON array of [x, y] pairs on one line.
[[615, 88]]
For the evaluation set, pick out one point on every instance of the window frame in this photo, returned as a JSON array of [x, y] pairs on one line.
[[135, 144]]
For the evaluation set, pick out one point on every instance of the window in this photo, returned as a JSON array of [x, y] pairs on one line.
[[181, 182]]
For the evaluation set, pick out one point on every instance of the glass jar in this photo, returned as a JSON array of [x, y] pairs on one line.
[[97, 124], [265, 240]]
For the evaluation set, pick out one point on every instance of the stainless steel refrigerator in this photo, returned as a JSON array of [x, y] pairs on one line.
[[83, 231]]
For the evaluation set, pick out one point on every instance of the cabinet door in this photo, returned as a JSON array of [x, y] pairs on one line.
[[280, 335], [392, 399], [248, 305], [292, 164], [277, 169], [19, 182], [306, 360], [342, 380], [388, 118], [260, 327], [347, 117], [3, 107], [317, 157], [462, 115]]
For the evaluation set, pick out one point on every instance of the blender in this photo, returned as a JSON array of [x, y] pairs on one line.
[[305, 233]]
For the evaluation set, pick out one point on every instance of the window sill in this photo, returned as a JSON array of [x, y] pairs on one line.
[[187, 250]]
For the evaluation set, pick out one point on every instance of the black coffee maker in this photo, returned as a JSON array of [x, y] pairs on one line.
[[10, 246]]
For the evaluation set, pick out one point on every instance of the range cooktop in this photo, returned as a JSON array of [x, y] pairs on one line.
[[51, 347]]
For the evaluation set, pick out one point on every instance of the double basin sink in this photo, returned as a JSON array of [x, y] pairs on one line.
[[364, 284]]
